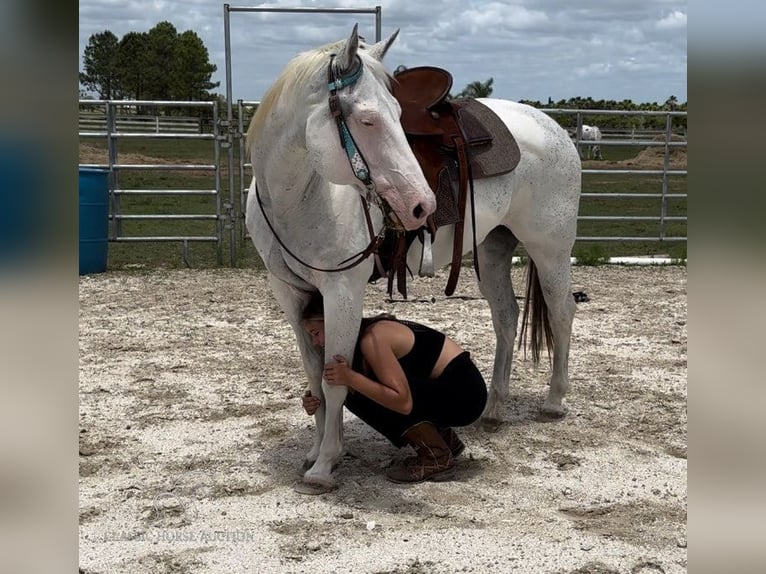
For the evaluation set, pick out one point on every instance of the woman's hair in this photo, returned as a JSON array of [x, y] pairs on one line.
[[314, 311]]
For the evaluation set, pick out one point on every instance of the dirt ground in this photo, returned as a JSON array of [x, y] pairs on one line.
[[192, 435]]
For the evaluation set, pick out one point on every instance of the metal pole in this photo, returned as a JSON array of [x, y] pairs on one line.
[[227, 48], [111, 146], [377, 23], [305, 10], [230, 207], [665, 169], [241, 131], [219, 227]]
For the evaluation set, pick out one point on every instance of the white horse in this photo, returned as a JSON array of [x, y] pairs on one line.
[[328, 132], [592, 134]]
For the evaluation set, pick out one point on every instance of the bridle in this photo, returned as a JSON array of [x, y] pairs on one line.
[[337, 81]]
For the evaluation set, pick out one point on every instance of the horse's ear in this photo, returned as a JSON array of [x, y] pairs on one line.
[[379, 49], [347, 57]]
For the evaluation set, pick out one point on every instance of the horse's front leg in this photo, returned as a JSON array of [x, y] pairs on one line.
[[312, 364], [343, 315], [328, 444]]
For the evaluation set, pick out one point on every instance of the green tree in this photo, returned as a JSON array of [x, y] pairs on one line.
[[160, 64], [160, 51], [671, 103], [99, 64], [131, 65], [477, 89], [191, 69]]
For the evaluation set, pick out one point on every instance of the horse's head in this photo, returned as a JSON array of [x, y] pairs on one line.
[[354, 136]]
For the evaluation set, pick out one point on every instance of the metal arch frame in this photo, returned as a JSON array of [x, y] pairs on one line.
[[231, 206]]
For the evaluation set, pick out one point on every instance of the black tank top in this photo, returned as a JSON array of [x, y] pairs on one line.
[[421, 359]]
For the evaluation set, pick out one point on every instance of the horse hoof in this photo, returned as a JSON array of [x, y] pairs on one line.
[[491, 424], [312, 488], [552, 413], [307, 464]]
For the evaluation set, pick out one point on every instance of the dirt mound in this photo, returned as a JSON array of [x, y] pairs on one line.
[[655, 156], [649, 158]]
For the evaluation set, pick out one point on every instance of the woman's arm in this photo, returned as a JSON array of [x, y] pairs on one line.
[[393, 390]]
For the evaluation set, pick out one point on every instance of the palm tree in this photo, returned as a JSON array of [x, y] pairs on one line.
[[477, 89], [671, 103]]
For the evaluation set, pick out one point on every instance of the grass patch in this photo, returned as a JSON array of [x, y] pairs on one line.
[[592, 254], [635, 207]]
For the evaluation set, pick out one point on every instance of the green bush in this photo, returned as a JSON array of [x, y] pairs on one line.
[[593, 254]]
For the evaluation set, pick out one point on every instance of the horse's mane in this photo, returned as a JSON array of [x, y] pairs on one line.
[[286, 90]]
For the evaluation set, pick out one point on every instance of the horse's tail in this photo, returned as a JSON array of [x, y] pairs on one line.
[[536, 316]]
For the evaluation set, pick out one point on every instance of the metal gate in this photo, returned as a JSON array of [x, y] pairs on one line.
[[664, 140], [115, 121], [223, 217]]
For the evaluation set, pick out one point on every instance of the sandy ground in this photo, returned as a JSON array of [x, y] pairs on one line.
[[192, 434]]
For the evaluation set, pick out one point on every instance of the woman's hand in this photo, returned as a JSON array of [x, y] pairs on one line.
[[338, 372], [310, 403]]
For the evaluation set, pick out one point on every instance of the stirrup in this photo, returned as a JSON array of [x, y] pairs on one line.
[[426, 257]]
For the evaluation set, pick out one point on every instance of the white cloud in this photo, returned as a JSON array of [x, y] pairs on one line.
[[635, 65], [676, 20], [532, 48], [593, 69], [497, 15]]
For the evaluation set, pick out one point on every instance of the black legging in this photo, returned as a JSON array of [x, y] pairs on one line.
[[455, 398]]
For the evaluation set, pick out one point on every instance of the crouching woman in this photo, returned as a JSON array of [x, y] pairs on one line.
[[409, 382]]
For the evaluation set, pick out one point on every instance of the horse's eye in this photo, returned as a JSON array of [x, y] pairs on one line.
[[368, 118]]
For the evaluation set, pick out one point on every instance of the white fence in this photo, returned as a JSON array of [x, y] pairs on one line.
[[95, 121]]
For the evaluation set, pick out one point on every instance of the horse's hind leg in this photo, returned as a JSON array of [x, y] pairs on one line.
[[495, 260], [554, 273]]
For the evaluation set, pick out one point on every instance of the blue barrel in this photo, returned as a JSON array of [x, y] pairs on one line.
[[94, 219]]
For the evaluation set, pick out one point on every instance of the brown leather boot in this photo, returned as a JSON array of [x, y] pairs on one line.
[[433, 461], [453, 441]]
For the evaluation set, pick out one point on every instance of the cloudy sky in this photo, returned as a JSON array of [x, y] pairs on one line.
[[534, 49]]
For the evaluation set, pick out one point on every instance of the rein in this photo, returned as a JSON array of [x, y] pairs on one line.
[[375, 240], [335, 82]]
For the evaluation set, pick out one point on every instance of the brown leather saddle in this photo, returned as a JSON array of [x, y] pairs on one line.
[[456, 141]]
